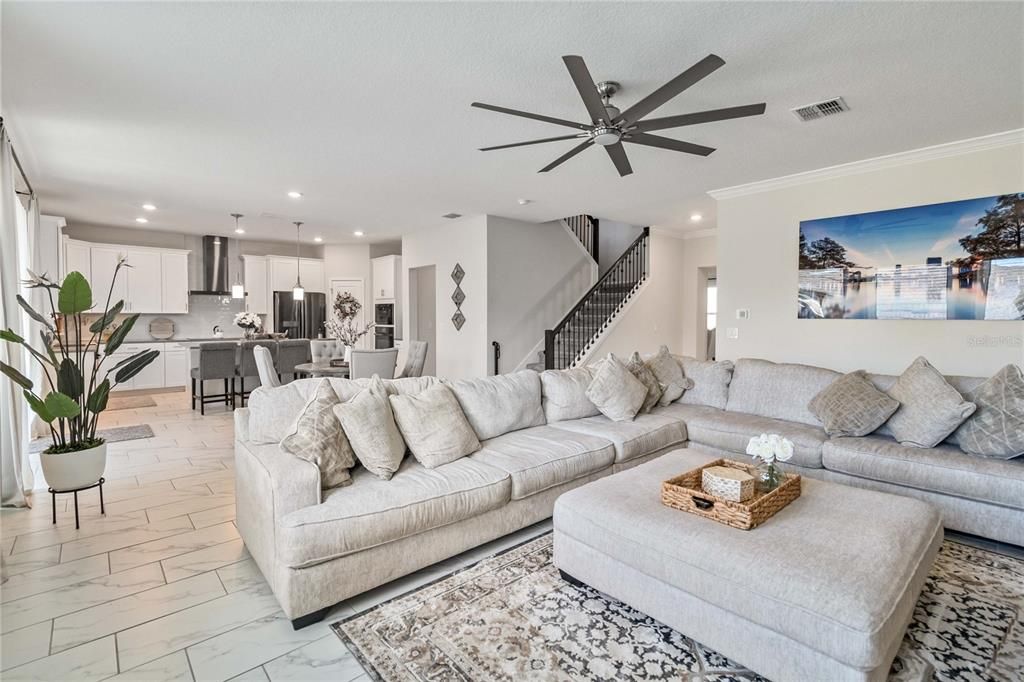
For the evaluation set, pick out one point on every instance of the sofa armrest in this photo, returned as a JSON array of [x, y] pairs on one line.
[[285, 482], [241, 417]]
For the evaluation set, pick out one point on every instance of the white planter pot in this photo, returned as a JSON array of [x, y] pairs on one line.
[[72, 470], [348, 353]]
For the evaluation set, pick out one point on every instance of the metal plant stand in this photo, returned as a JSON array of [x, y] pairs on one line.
[[54, 493]]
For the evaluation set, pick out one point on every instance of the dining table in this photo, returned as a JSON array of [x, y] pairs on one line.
[[322, 369]]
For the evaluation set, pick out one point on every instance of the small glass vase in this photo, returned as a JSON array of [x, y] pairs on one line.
[[769, 477], [249, 333]]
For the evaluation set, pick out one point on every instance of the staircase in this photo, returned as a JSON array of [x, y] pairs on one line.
[[571, 339], [586, 229]]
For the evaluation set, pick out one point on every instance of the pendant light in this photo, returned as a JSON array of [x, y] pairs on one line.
[[237, 289], [298, 293]]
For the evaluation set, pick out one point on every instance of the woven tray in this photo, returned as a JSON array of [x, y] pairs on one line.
[[684, 492]]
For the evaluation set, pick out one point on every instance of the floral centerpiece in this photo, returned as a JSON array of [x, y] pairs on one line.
[[251, 324], [770, 449], [76, 382], [342, 324]]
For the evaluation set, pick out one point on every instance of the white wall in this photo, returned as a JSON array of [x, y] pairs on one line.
[[612, 239], [350, 261], [465, 353], [698, 253], [536, 273], [757, 269]]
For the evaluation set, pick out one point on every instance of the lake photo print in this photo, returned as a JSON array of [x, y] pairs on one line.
[[960, 260]]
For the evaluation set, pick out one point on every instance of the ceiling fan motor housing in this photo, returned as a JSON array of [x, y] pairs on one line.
[[606, 135]]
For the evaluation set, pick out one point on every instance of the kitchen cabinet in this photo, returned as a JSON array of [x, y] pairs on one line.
[[103, 261], [150, 377], [282, 273], [176, 366], [257, 299], [312, 272], [387, 272], [174, 282], [145, 283], [76, 259]]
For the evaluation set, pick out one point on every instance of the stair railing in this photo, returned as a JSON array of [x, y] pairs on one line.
[[588, 318], [587, 229]]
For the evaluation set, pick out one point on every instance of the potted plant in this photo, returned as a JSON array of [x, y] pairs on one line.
[[250, 323], [342, 324], [73, 396]]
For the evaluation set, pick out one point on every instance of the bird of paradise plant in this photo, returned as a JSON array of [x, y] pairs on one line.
[[75, 398]]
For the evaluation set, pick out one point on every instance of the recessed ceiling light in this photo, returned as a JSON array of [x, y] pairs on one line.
[[148, 207], [523, 202], [239, 230], [141, 220], [696, 217], [318, 239], [358, 233], [295, 195]]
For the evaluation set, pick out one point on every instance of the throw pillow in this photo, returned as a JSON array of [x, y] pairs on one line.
[[852, 406], [710, 382], [641, 371], [565, 394], [930, 409], [615, 391], [434, 426], [669, 375], [317, 437], [370, 426], [996, 429], [273, 411]]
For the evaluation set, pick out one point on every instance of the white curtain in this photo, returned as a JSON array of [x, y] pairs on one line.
[[14, 412]]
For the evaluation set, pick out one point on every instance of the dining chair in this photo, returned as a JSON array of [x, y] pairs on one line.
[[324, 350], [415, 359], [216, 361], [265, 367], [366, 363], [247, 365], [291, 352]]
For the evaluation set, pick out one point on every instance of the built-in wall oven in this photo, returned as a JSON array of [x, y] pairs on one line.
[[384, 325]]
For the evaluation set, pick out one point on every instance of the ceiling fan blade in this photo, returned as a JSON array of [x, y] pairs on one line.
[[669, 90], [523, 144], [700, 117], [585, 86], [568, 155], [526, 114], [668, 143], [617, 153]]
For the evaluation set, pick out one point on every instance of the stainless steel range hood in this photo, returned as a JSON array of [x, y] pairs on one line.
[[215, 267]]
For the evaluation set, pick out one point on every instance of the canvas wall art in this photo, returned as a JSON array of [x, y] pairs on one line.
[[960, 260]]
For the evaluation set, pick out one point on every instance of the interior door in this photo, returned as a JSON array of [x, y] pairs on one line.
[[357, 288]]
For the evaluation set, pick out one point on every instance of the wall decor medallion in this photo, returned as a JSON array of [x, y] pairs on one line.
[[959, 260], [458, 297]]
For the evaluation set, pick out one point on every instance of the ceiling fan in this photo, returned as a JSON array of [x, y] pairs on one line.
[[609, 127]]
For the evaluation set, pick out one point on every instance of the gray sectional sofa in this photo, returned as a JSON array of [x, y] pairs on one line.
[[317, 548]]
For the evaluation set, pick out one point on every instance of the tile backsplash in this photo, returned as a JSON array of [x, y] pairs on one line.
[[205, 312]]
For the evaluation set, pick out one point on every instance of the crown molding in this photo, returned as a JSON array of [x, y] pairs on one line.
[[675, 233], [939, 151], [701, 234]]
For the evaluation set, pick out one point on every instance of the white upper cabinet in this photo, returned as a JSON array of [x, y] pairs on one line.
[[145, 281], [283, 273], [174, 280], [257, 299], [312, 272], [386, 273], [76, 259], [103, 260]]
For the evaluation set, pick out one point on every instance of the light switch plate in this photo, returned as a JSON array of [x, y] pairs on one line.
[[743, 313], [732, 333]]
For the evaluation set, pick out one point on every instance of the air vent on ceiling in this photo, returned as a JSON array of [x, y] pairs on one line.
[[452, 216], [829, 107]]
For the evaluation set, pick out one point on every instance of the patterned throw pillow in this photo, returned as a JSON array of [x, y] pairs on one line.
[[641, 371], [616, 392], [370, 426], [317, 437], [930, 409], [996, 429], [670, 376], [852, 406], [434, 426]]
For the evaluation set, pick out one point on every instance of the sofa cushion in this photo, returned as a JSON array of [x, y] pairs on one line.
[[646, 434], [733, 430], [930, 408], [943, 469], [372, 512], [710, 382], [777, 390], [433, 426], [852, 406], [996, 429], [317, 437], [565, 394], [543, 457], [499, 404], [616, 392]]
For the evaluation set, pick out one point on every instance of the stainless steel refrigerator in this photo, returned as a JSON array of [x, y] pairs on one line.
[[300, 319]]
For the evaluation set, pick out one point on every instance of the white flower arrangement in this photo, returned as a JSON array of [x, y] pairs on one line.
[[770, 449], [248, 321]]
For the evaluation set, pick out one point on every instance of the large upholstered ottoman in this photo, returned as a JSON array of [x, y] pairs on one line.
[[822, 591]]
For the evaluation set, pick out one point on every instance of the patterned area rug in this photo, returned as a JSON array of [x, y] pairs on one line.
[[130, 402], [114, 435], [511, 617]]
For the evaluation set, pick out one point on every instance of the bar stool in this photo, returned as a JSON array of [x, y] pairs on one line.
[[291, 352], [247, 365], [216, 361]]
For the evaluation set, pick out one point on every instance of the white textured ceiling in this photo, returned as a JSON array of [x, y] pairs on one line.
[[209, 108]]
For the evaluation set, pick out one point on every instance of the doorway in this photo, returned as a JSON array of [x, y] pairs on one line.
[[356, 287], [423, 312]]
